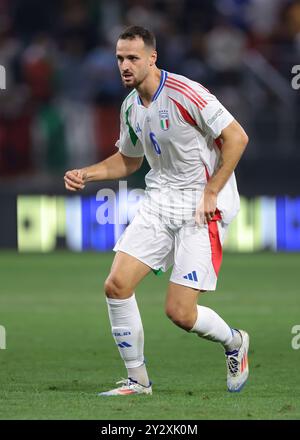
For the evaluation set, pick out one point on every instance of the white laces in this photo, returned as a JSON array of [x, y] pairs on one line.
[[233, 365], [125, 382]]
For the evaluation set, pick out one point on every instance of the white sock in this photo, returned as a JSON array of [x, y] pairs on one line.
[[139, 374], [209, 325], [236, 341], [128, 333]]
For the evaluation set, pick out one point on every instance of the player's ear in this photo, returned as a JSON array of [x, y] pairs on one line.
[[153, 58]]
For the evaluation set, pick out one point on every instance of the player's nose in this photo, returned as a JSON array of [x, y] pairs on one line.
[[125, 66]]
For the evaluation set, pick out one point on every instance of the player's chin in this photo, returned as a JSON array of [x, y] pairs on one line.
[[129, 82]]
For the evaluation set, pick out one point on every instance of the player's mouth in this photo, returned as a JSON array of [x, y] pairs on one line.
[[127, 76]]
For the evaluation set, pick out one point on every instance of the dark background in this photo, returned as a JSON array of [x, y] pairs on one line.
[[61, 106]]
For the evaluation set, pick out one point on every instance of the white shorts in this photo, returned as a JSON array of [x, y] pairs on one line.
[[195, 252]]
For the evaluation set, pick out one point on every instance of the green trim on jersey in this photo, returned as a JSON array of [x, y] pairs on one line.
[[130, 94], [132, 134]]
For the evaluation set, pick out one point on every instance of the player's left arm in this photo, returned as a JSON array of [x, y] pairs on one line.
[[234, 143]]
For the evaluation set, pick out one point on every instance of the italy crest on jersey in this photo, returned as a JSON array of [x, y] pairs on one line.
[[164, 119]]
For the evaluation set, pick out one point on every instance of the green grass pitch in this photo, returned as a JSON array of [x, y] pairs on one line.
[[60, 351]]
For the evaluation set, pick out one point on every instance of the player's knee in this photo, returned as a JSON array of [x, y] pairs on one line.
[[115, 288], [179, 316]]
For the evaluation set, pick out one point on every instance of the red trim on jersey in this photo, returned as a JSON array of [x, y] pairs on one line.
[[184, 113], [219, 143], [188, 88], [203, 88], [214, 237], [171, 86], [206, 173]]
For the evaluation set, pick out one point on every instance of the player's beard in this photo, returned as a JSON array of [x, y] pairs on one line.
[[128, 85], [135, 83]]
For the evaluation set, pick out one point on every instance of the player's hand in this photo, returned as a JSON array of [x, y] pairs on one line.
[[206, 208], [75, 180]]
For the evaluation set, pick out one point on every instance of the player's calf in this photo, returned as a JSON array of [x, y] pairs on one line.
[[181, 305], [182, 318]]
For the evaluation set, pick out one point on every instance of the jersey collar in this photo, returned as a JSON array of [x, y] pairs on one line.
[[163, 78]]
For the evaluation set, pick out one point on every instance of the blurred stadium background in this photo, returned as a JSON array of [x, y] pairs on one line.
[[60, 110]]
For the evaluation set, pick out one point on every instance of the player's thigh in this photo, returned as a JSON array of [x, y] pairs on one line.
[[198, 256], [149, 240], [181, 304], [125, 274]]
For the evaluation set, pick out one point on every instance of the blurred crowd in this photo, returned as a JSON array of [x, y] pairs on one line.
[[63, 92]]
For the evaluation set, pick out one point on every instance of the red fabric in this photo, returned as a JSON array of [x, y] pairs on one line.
[[206, 173], [187, 94], [187, 88], [215, 243], [214, 237], [219, 143], [184, 113]]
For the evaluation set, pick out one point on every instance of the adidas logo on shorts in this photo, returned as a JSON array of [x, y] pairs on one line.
[[191, 276]]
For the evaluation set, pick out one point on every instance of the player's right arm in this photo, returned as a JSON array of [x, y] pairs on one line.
[[114, 167]]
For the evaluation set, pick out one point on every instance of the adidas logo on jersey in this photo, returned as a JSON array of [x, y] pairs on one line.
[[191, 276]]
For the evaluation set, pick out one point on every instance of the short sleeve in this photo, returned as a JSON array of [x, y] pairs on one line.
[[210, 115], [128, 142]]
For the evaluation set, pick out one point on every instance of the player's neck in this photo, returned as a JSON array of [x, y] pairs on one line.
[[149, 86]]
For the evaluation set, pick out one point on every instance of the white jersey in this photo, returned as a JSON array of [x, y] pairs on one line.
[[179, 135]]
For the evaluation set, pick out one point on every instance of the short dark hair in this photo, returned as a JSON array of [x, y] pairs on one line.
[[138, 31]]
